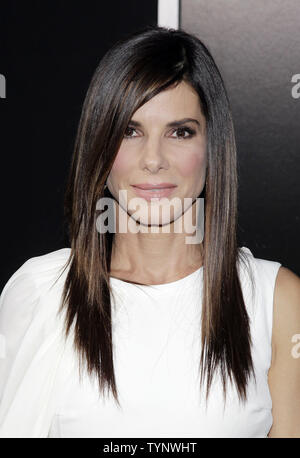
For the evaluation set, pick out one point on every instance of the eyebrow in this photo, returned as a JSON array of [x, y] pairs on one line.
[[176, 123]]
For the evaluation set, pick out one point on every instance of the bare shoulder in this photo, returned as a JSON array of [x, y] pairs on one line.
[[286, 313], [284, 373], [287, 285]]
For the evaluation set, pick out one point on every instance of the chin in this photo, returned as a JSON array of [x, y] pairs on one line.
[[152, 214]]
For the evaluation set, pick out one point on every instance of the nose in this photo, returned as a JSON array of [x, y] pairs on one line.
[[153, 157]]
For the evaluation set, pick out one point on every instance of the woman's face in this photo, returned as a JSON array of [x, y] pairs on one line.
[[154, 151]]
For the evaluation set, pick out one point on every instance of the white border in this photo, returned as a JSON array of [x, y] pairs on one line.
[[168, 13]]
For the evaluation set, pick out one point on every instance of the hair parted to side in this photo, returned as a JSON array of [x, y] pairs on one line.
[[133, 71]]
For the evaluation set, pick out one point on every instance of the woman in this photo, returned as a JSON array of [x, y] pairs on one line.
[[175, 336]]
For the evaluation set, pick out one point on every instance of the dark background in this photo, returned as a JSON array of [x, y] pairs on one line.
[[256, 45], [48, 53]]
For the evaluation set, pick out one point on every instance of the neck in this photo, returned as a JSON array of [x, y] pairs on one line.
[[155, 257]]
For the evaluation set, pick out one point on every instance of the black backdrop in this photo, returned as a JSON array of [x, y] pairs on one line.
[[49, 51], [256, 45]]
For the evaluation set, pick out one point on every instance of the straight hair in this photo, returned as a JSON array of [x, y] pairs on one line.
[[132, 71]]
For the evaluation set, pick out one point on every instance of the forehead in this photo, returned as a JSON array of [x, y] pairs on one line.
[[180, 101]]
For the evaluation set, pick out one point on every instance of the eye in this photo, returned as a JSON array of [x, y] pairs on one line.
[[180, 130], [183, 130], [128, 131]]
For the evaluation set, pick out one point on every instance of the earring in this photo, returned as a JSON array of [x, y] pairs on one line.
[[105, 186]]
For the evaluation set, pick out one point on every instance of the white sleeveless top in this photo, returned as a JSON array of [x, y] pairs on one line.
[[156, 338]]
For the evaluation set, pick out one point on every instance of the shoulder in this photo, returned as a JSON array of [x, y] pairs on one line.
[[287, 287], [261, 274], [286, 310], [263, 267], [284, 373], [23, 289], [31, 343], [258, 280], [281, 287], [278, 321], [37, 267]]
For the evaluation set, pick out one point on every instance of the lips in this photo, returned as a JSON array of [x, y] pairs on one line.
[[152, 190], [152, 186]]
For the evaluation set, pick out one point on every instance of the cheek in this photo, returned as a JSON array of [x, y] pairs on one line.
[[121, 163], [194, 163]]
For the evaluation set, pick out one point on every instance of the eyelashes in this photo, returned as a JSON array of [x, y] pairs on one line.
[[191, 132]]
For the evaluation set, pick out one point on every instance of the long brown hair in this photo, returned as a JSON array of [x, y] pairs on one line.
[[133, 71]]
